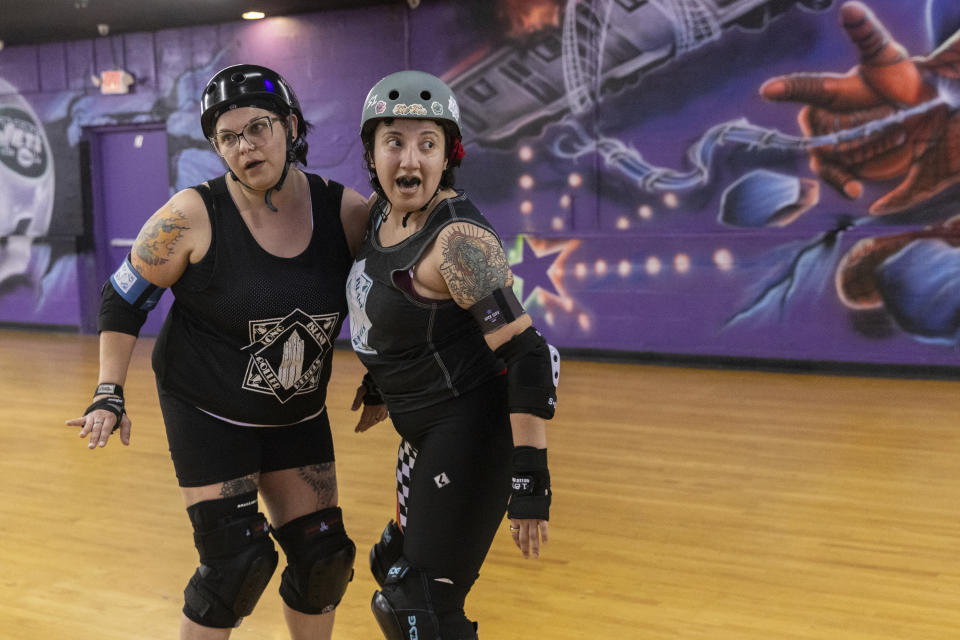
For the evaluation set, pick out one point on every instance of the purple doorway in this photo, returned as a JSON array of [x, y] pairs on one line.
[[130, 180]]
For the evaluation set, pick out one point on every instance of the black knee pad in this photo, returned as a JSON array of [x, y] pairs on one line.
[[412, 605], [386, 552], [319, 561], [237, 560]]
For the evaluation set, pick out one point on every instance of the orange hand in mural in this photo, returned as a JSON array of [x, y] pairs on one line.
[[923, 149]]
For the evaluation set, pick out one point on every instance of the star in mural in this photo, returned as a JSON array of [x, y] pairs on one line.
[[539, 264]]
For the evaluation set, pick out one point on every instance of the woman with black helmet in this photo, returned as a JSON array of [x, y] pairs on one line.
[[243, 359], [468, 381]]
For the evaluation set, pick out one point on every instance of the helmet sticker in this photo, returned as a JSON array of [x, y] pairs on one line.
[[454, 109], [381, 107], [412, 110], [372, 100], [437, 108]]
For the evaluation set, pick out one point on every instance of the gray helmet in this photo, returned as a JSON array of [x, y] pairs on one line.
[[410, 94]]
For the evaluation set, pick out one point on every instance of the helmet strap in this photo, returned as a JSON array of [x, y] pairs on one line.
[[388, 206], [403, 222]]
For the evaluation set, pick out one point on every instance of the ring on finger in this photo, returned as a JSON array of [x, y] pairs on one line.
[[514, 529]]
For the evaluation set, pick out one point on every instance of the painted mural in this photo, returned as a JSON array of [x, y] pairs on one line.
[[747, 178]]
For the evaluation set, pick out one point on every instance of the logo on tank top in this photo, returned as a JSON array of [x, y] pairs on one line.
[[358, 288], [286, 354]]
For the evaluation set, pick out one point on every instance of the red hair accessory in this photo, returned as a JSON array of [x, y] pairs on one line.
[[456, 151]]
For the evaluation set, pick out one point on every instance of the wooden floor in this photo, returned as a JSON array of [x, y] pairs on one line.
[[690, 504]]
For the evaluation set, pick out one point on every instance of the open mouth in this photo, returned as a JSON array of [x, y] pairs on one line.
[[252, 164], [408, 184]]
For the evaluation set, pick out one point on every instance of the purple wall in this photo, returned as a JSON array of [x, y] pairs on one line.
[[650, 198]]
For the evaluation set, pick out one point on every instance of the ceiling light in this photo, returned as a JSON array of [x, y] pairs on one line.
[[253, 15]]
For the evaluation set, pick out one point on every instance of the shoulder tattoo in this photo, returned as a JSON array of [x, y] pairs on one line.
[[473, 264], [156, 241]]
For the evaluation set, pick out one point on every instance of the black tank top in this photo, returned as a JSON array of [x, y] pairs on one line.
[[419, 352], [249, 335]]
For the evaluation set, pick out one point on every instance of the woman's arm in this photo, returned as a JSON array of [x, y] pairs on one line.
[[354, 216], [178, 233], [477, 274]]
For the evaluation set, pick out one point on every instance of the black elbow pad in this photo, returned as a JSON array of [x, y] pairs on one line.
[[116, 314], [533, 371]]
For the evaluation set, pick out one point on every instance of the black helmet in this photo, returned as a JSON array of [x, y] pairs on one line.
[[249, 85], [246, 85]]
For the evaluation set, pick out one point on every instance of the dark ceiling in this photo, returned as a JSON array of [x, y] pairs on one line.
[[38, 21]]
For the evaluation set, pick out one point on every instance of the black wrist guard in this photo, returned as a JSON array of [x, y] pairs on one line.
[[372, 397], [530, 485], [112, 403]]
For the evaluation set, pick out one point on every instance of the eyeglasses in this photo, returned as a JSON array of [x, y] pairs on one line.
[[256, 132]]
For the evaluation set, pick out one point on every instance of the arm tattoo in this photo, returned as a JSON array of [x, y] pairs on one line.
[[238, 486], [156, 241], [323, 480], [473, 264]]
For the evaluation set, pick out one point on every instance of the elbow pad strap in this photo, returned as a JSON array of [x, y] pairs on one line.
[[134, 288], [533, 371], [497, 309]]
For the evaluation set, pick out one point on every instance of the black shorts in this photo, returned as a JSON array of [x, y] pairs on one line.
[[206, 450]]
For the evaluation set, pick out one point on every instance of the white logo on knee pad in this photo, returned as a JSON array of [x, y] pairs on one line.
[[442, 480], [412, 621], [554, 364]]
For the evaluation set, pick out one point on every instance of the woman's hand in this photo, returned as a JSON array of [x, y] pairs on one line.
[[100, 424], [371, 414], [528, 534]]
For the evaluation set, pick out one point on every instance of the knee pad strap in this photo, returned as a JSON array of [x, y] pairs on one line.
[[237, 561], [320, 559], [387, 551]]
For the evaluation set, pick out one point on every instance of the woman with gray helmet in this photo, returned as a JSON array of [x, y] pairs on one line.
[[468, 382], [244, 357]]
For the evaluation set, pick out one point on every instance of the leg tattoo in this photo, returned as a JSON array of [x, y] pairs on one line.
[[323, 480], [239, 485]]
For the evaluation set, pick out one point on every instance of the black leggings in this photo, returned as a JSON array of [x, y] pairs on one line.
[[458, 482]]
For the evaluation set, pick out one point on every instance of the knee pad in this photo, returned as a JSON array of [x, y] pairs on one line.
[[319, 561], [237, 560], [386, 552], [412, 605]]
